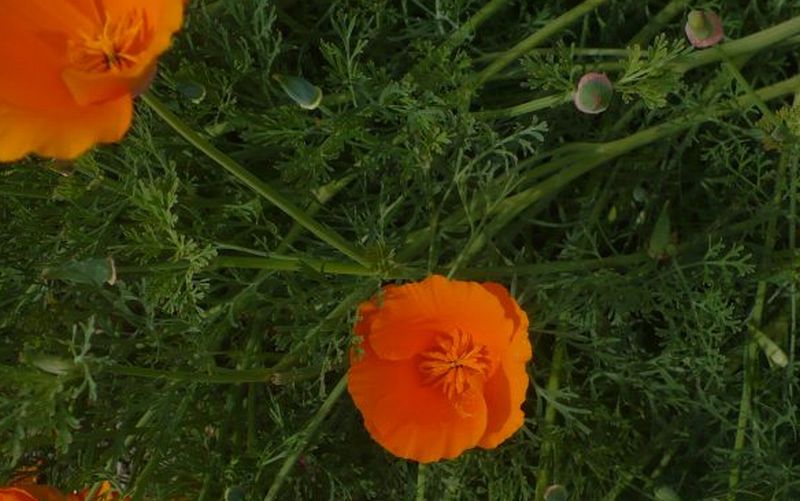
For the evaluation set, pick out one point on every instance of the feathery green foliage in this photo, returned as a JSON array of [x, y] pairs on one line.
[[164, 326]]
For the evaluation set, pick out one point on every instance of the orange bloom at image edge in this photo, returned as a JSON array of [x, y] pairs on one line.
[[69, 70], [46, 493], [441, 367]]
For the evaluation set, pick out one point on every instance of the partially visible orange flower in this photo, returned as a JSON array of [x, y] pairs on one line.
[[441, 367], [26, 475], [69, 70], [31, 493], [27, 492], [105, 493]]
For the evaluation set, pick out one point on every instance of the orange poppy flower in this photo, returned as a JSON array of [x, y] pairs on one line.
[[28, 492], [31, 493], [69, 70], [441, 367]]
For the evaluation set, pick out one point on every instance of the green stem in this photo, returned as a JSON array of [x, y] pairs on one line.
[[322, 196], [751, 43], [792, 249], [552, 28], [750, 355], [4, 192], [578, 159], [325, 234], [422, 479], [658, 22], [577, 51], [219, 376], [281, 263], [748, 89], [747, 45], [507, 210], [532, 106], [547, 451], [304, 438], [466, 29]]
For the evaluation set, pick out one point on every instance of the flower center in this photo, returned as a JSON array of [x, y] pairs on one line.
[[455, 363], [114, 46]]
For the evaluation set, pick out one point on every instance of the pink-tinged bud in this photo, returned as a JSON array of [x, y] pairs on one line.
[[594, 93], [704, 28]]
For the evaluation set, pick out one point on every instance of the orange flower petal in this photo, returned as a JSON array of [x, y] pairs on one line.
[[14, 494], [412, 315], [105, 492], [62, 133], [505, 390], [31, 493], [30, 74], [51, 16], [409, 418]]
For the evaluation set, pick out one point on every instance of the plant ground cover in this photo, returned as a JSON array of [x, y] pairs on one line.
[[185, 333]]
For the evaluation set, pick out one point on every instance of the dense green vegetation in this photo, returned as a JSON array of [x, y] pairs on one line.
[[653, 247]]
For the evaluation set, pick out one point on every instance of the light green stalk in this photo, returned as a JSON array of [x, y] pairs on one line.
[[324, 233], [750, 355], [218, 376], [547, 451], [581, 163], [747, 45], [422, 480], [466, 29], [549, 30], [304, 438], [658, 22]]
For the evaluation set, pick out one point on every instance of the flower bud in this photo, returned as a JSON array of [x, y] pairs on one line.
[[704, 28], [594, 93]]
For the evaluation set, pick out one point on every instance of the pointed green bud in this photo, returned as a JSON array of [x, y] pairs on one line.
[[302, 92], [704, 28], [51, 364], [594, 93]]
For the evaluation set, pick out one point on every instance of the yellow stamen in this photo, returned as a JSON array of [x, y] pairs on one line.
[[455, 363], [114, 46]]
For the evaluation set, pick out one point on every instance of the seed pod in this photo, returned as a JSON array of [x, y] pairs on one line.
[[594, 93], [704, 28]]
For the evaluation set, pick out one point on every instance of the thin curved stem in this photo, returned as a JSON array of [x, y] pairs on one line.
[[324, 233], [784, 33], [219, 376], [534, 40], [304, 438]]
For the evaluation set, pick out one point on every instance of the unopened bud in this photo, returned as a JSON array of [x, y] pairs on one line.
[[704, 28], [594, 93]]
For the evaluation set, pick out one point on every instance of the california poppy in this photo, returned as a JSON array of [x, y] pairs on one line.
[[30, 492], [69, 70], [440, 367]]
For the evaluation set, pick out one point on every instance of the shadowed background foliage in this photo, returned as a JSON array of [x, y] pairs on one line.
[[165, 327]]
